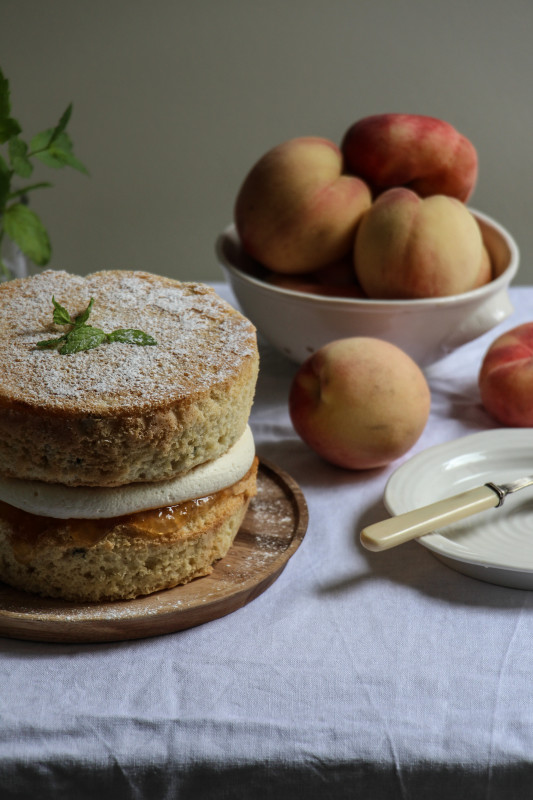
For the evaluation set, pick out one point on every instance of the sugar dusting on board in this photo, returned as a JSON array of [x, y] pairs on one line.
[[200, 340]]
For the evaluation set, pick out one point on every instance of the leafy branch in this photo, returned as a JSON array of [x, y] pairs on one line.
[[54, 148]]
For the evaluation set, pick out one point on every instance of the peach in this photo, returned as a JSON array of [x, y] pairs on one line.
[[506, 377], [425, 154], [339, 273], [334, 280], [309, 285], [295, 211], [410, 247], [485, 270], [359, 402]]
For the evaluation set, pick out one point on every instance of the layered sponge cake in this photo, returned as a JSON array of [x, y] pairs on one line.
[[125, 468]]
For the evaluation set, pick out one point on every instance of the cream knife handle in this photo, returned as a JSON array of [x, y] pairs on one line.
[[403, 527]]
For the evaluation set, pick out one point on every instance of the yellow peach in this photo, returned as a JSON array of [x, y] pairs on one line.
[[359, 402], [410, 247], [295, 211]]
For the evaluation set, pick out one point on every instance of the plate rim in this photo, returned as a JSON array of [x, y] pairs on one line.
[[437, 541]]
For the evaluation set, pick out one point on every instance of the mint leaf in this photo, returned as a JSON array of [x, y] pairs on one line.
[[61, 315], [18, 155], [49, 344], [26, 229], [54, 148], [70, 160], [26, 189], [85, 337], [61, 125], [8, 126], [82, 337], [131, 336], [5, 102], [57, 152], [5, 182], [82, 318], [40, 141]]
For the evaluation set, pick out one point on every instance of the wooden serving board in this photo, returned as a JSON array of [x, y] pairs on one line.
[[272, 530]]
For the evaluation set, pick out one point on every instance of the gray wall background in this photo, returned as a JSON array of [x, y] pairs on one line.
[[175, 100]]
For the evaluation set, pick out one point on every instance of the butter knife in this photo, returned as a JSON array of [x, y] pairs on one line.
[[412, 524]]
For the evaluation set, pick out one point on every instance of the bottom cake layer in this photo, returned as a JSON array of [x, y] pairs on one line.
[[124, 557]]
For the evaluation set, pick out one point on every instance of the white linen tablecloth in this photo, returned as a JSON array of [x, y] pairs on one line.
[[354, 675]]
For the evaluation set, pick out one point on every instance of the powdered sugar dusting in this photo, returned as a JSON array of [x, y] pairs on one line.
[[202, 341]]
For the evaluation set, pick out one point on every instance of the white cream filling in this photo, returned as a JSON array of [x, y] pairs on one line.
[[92, 502]]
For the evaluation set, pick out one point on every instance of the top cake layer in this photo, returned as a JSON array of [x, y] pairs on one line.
[[201, 342], [121, 412]]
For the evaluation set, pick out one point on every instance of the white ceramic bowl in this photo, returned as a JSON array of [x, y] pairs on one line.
[[297, 323]]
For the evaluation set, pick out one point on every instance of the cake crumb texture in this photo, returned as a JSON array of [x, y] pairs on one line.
[[125, 558], [121, 413]]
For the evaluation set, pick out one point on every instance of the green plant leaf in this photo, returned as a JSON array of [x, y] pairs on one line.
[[85, 337], [25, 189], [41, 141], [50, 344], [54, 148], [70, 160], [131, 336], [57, 154], [61, 315], [5, 182], [18, 156], [82, 337], [26, 229], [5, 101], [82, 318], [61, 125], [8, 126]]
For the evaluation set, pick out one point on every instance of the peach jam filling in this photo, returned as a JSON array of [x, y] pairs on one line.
[[28, 531]]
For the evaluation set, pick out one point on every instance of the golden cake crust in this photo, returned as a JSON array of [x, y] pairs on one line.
[[122, 558], [121, 413]]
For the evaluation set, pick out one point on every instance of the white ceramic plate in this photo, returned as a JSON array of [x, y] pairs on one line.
[[496, 545]]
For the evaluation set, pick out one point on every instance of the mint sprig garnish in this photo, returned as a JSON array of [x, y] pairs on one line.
[[52, 147], [82, 336], [62, 317]]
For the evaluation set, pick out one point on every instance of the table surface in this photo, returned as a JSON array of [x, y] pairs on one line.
[[380, 675]]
